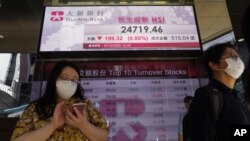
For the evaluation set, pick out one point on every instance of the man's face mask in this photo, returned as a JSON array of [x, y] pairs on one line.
[[235, 67]]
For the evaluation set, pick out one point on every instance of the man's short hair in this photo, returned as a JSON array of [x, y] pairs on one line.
[[213, 54]]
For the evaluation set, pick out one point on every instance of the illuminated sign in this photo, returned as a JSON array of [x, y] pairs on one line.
[[119, 28], [141, 100]]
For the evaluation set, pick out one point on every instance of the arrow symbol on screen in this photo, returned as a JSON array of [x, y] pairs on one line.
[[99, 37]]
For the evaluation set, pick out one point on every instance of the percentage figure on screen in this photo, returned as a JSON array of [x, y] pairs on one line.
[[137, 38]]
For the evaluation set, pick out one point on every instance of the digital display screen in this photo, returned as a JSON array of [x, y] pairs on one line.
[[119, 28], [141, 101]]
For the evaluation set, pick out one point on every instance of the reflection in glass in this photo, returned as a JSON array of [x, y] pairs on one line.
[[15, 86]]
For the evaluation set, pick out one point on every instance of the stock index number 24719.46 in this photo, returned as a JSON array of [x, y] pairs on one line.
[[141, 29]]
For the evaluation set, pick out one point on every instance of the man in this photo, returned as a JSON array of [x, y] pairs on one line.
[[216, 106]]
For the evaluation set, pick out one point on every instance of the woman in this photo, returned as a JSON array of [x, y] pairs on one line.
[[216, 107], [49, 119]]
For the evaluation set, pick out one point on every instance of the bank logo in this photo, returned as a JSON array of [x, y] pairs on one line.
[[56, 16]]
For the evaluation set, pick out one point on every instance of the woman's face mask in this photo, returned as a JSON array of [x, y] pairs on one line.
[[66, 88], [67, 83]]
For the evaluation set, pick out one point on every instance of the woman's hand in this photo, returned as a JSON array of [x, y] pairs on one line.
[[78, 119], [58, 116]]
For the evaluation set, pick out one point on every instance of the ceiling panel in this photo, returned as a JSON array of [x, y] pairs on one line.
[[20, 22], [221, 23], [24, 41], [205, 22], [212, 8], [213, 18]]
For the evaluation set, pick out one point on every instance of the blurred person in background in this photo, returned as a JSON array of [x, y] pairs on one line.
[[187, 102]]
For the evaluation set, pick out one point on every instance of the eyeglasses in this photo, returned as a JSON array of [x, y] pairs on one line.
[[235, 58], [64, 78]]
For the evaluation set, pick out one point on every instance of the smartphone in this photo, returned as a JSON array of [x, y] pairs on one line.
[[79, 106]]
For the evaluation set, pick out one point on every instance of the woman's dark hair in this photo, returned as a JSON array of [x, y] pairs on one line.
[[213, 54], [46, 104]]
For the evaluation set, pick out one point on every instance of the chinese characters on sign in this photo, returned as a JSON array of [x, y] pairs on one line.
[[105, 28]]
